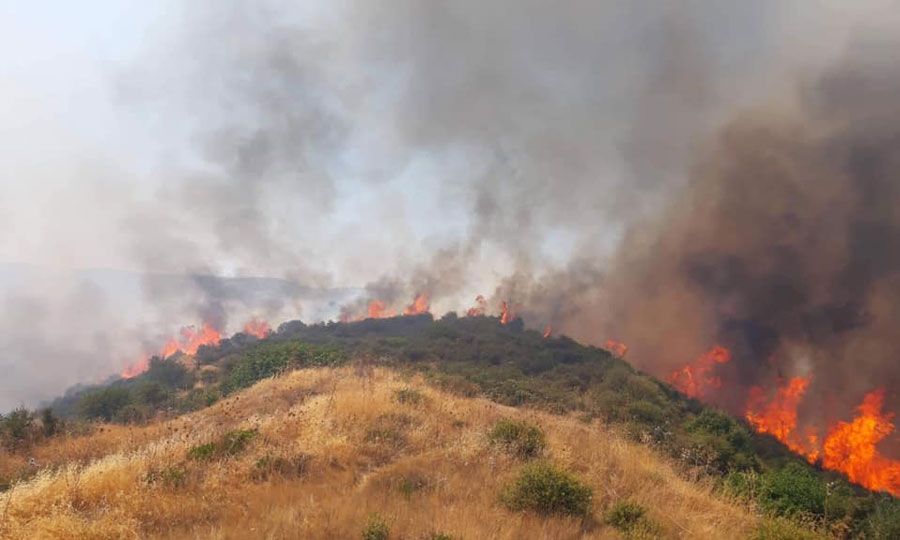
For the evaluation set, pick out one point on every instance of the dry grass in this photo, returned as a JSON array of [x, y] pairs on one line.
[[343, 449]]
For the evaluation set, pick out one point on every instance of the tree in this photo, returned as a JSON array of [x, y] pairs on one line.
[[105, 403]]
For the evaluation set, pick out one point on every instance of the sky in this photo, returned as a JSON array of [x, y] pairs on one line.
[[397, 147]]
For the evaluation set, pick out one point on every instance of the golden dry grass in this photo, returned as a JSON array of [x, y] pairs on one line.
[[359, 448]]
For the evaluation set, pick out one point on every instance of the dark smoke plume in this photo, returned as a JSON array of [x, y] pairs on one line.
[[784, 246]]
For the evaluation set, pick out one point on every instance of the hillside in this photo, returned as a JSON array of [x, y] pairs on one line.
[[334, 447], [317, 408]]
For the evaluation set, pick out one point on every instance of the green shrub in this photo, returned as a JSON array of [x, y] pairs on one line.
[[792, 489], [172, 477], [202, 452], [17, 429], [884, 521], [50, 424], [743, 484], [518, 437], [546, 489], [439, 536], [625, 515], [132, 413], [408, 396], [231, 444], [376, 529], [234, 442], [267, 358], [105, 403]]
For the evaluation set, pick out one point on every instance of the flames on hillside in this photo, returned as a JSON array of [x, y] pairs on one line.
[[849, 447], [190, 339]]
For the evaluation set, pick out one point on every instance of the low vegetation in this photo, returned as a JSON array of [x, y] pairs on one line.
[[518, 438], [547, 489]]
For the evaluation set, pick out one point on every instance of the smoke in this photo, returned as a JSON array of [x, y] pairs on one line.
[[782, 246], [670, 177]]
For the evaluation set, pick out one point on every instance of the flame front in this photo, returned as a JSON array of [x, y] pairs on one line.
[[616, 348], [188, 342], [479, 308], [257, 327], [548, 331], [850, 447], [697, 379], [505, 314], [779, 416], [419, 306]]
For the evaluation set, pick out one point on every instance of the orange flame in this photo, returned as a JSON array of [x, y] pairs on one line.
[[616, 348], [189, 341], [479, 308], [257, 327], [779, 416], [505, 313], [696, 379], [548, 331], [419, 306], [378, 310], [850, 447]]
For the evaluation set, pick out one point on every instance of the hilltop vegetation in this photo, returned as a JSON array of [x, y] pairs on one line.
[[476, 356]]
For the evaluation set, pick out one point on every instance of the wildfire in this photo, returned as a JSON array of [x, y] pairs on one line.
[[419, 306], [505, 313], [850, 447], [617, 348], [548, 331], [696, 378], [779, 416], [257, 327], [479, 308], [378, 310], [189, 341]]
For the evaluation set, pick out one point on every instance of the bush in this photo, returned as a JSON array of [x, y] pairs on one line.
[[172, 477], [518, 437], [545, 489], [884, 521], [168, 373], [17, 429], [104, 404], [625, 515], [202, 452], [234, 442], [50, 424], [793, 489], [376, 529], [231, 444]]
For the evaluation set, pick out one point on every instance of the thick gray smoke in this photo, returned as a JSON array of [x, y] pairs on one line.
[[670, 177], [782, 246]]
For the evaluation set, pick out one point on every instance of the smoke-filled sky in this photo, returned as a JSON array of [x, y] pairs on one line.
[[567, 156]]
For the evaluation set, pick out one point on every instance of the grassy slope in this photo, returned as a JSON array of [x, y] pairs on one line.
[[122, 482]]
